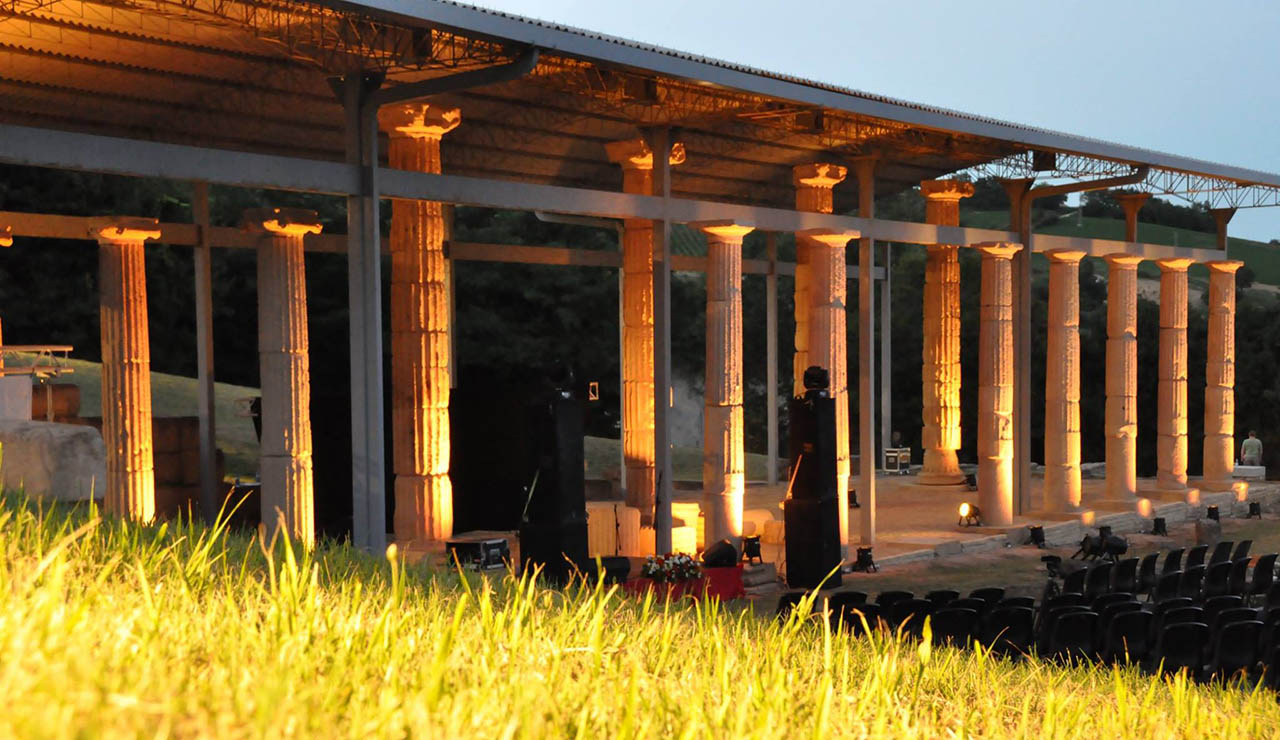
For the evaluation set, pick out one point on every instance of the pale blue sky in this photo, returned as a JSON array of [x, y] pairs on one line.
[[1199, 79]]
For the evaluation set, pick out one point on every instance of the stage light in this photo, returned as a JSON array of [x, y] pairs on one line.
[[970, 515], [1159, 527], [751, 549], [1212, 513], [1037, 535], [1255, 510], [864, 562]]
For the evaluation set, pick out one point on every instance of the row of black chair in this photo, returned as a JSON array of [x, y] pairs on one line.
[[1140, 576]]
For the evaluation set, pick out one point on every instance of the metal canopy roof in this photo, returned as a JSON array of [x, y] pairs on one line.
[[254, 75]]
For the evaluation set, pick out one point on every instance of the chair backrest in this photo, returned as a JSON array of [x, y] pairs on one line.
[[977, 605], [853, 616], [1073, 582], [1273, 594], [1230, 616], [1215, 579], [1242, 549], [1181, 645], [1127, 636], [1147, 573], [1184, 614], [1264, 574], [1195, 556], [1009, 630], [1236, 647], [1176, 602], [942, 596], [1098, 581], [909, 610], [991, 594], [1218, 603], [1125, 576], [1238, 582], [1074, 634], [1009, 601], [1109, 612], [1167, 586], [888, 598], [842, 599], [1191, 580], [1105, 600], [1172, 561], [788, 602], [1222, 552], [954, 626]]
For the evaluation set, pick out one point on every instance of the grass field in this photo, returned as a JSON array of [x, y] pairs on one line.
[[111, 630]]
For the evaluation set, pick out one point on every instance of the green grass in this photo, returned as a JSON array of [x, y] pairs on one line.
[[115, 630]]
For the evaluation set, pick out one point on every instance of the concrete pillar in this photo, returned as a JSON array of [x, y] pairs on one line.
[[814, 183], [940, 374], [126, 366], [1171, 408], [995, 385], [723, 450], [1220, 378], [821, 285], [1221, 217], [1131, 203], [285, 370], [1062, 384], [865, 168], [1122, 377], [638, 449], [420, 342]]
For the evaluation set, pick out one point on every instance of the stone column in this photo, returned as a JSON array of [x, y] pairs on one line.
[[723, 453], [1062, 384], [1220, 378], [814, 184], [995, 385], [941, 371], [287, 485], [1171, 409], [828, 341], [1122, 377], [638, 451], [126, 366], [420, 347]]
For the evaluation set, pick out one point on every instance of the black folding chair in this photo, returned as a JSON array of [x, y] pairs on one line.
[[1128, 637], [991, 595], [1235, 650], [1195, 556], [1220, 603], [1110, 611], [1172, 561], [1098, 581], [1124, 578], [1238, 581], [788, 602], [1181, 646], [1264, 574], [1073, 582], [909, 615], [1008, 632], [1167, 587], [1105, 600], [1191, 580], [887, 599], [942, 597], [1216, 579], [978, 605], [1073, 637], [954, 627], [1221, 552], [1230, 616], [1011, 601], [1049, 623], [1242, 549], [1147, 573]]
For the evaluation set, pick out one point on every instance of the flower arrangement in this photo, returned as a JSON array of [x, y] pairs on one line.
[[671, 568]]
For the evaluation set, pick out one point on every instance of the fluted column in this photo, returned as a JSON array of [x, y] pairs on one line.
[[285, 369], [1122, 377], [1062, 384], [814, 184], [1171, 408], [126, 366], [940, 374], [1220, 377], [636, 159], [995, 384], [420, 347], [723, 451]]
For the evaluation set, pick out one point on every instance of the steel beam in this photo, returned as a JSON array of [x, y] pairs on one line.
[[771, 356], [659, 141], [203, 275]]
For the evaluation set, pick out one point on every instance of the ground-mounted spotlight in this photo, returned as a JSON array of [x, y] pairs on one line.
[[863, 562], [970, 515], [1037, 535], [1212, 513], [1104, 531], [1159, 527], [751, 549], [1255, 510], [1113, 547]]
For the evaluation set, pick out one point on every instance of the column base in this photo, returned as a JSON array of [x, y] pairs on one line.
[[941, 479], [1184, 494], [1078, 515], [1239, 487]]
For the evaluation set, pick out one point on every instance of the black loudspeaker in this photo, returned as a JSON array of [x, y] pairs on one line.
[[722, 554], [553, 530], [614, 568], [812, 513]]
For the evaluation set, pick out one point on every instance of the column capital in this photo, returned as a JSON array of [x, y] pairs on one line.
[[830, 237], [1134, 200], [1064, 255], [418, 120], [1123, 260], [124, 229], [998, 250], [1174, 264], [282, 221], [818, 175], [1225, 267], [727, 231], [6, 236], [952, 190], [636, 154]]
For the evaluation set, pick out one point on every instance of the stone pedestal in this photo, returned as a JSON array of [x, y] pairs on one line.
[[1062, 385], [1122, 377], [1220, 378], [126, 366], [420, 343], [638, 450], [723, 451], [940, 374], [995, 385], [288, 497], [1171, 408]]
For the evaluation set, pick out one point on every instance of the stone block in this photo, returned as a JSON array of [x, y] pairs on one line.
[[15, 398], [169, 468], [1093, 471], [1208, 532], [759, 575], [1018, 536], [947, 549], [65, 462]]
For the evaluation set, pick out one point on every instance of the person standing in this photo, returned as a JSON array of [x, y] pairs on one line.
[[1251, 450]]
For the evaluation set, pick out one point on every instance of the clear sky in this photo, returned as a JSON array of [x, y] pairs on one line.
[[1197, 78]]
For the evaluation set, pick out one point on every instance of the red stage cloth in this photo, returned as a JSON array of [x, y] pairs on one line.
[[723, 583]]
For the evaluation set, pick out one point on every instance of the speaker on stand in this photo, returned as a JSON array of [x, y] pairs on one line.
[[812, 512], [553, 529]]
